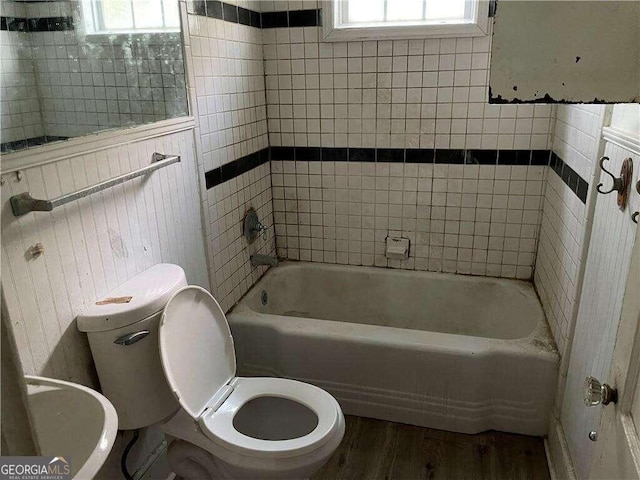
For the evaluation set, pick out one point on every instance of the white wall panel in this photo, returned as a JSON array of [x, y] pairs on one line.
[[607, 267], [94, 244]]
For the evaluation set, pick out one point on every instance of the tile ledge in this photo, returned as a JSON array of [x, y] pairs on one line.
[[54, 152]]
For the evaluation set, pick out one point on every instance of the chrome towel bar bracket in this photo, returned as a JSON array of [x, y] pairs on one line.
[[24, 203]]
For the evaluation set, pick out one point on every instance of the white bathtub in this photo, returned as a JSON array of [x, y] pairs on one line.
[[453, 352]]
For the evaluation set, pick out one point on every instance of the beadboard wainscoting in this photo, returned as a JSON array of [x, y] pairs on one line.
[[94, 244]]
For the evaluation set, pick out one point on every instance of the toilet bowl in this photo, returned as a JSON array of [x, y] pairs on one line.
[[175, 368], [252, 427], [291, 444]]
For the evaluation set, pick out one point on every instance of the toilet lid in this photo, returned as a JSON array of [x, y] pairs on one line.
[[196, 348]]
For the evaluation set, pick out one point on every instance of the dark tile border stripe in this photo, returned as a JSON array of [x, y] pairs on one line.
[[234, 14], [13, 24], [414, 155], [570, 177], [231, 170], [16, 145], [41, 24], [401, 155]]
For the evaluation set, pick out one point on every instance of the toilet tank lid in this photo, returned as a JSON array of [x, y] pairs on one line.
[[143, 295]]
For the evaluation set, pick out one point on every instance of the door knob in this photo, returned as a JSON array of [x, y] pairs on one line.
[[596, 393]]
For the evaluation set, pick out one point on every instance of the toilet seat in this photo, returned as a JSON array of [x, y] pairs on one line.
[[198, 360], [218, 425]]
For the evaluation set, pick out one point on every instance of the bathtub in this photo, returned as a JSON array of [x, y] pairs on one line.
[[458, 353]]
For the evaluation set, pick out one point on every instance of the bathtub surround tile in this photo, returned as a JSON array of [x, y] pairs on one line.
[[304, 18], [473, 219], [381, 155], [50, 24], [227, 96], [238, 167], [411, 155], [14, 24], [275, 19], [563, 241], [427, 158], [478, 214], [387, 94], [570, 177], [236, 14]]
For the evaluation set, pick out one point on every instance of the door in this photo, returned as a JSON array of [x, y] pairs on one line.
[[605, 278], [617, 453]]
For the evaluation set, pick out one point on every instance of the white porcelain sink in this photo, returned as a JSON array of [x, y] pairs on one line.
[[72, 421]]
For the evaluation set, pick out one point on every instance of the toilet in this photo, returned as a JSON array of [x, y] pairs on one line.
[[165, 357]]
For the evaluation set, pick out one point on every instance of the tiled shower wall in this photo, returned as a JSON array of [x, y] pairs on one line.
[[473, 219], [20, 115], [417, 94], [565, 219], [226, 91]]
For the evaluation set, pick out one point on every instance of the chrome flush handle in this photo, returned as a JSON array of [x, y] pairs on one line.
[[131, 338]]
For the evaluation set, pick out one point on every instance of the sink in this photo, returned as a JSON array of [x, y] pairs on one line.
[[72, 421]]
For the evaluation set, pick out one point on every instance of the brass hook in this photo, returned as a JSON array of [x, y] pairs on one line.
[[620, 184]]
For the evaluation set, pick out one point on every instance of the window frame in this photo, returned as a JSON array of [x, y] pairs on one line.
[[94, 23], [333, 32]]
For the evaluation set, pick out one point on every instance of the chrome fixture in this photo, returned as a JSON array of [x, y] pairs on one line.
[[593, 436], [252, 226], [131, 338], [596, 393], [24, 203], [258, 260], [621, 184]]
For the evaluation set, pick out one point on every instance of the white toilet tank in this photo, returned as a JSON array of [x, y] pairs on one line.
[[123, 334]]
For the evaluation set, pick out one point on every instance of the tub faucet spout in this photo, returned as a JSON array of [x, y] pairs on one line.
[[257, 260]]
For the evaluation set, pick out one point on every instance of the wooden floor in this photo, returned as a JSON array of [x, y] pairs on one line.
[[374, 449]]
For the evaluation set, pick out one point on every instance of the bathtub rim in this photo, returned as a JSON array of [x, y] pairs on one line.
[[540, 340]]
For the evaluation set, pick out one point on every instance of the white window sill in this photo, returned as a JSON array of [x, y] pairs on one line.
[[403, 32]]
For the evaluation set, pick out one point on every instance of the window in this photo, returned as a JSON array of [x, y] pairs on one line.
[[131, 16], [374, 19]]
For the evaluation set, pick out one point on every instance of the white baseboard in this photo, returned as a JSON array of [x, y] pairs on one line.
[[558, 455], [552, 468]]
